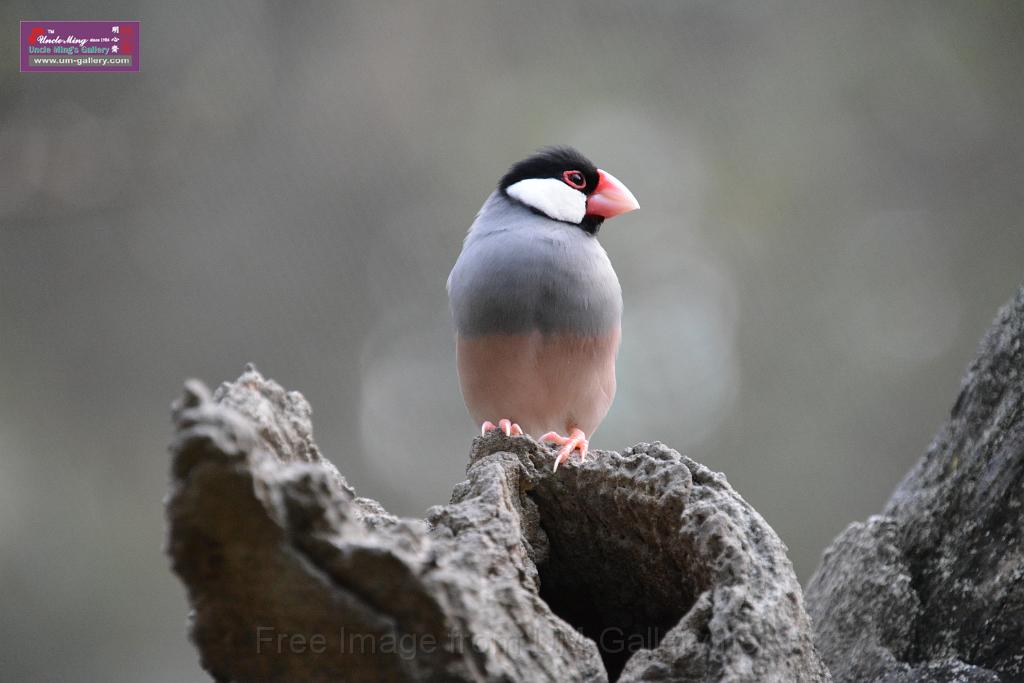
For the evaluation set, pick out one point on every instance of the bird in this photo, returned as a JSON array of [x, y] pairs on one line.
[[536, 303]]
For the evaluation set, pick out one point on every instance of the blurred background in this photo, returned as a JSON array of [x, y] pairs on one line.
[[831, 217]]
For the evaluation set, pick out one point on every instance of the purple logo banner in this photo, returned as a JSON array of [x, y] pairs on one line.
[[79, 46]]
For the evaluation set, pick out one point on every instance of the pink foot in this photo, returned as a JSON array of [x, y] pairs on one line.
[[576, 440], [508, 426]]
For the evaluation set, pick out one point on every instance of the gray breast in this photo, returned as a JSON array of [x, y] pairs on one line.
[[519, 272]]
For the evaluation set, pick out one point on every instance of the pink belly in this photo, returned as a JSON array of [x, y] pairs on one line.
[[545, 383]]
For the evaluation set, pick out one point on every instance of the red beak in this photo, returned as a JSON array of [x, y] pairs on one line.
[[610, 198]]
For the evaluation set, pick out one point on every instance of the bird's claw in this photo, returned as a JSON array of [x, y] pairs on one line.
[[508, 427], [576, 440]]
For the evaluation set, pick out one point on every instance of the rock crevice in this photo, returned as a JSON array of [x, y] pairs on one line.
[[635, 566]]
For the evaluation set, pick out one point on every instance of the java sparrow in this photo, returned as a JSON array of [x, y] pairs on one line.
[[536, 303]]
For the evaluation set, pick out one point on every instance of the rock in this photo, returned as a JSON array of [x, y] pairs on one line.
[[637, 566], [933, 589]]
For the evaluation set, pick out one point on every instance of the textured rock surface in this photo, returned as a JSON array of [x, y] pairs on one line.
[[933, 589], [643, 565]]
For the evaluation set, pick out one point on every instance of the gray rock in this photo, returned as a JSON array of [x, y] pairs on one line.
[[642, 565], [933, 589]]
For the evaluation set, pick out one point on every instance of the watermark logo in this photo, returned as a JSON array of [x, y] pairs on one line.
[[79, 46], [270, 641]]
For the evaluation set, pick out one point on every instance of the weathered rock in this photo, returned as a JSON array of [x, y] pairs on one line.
[[641, 566], [933, 589]]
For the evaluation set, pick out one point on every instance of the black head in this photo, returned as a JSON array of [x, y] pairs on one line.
[[554, 162], [565, 165]]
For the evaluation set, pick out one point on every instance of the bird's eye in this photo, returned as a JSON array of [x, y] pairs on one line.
[[574, 179]]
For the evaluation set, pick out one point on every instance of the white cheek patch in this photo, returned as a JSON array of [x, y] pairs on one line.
[[551, 197]]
